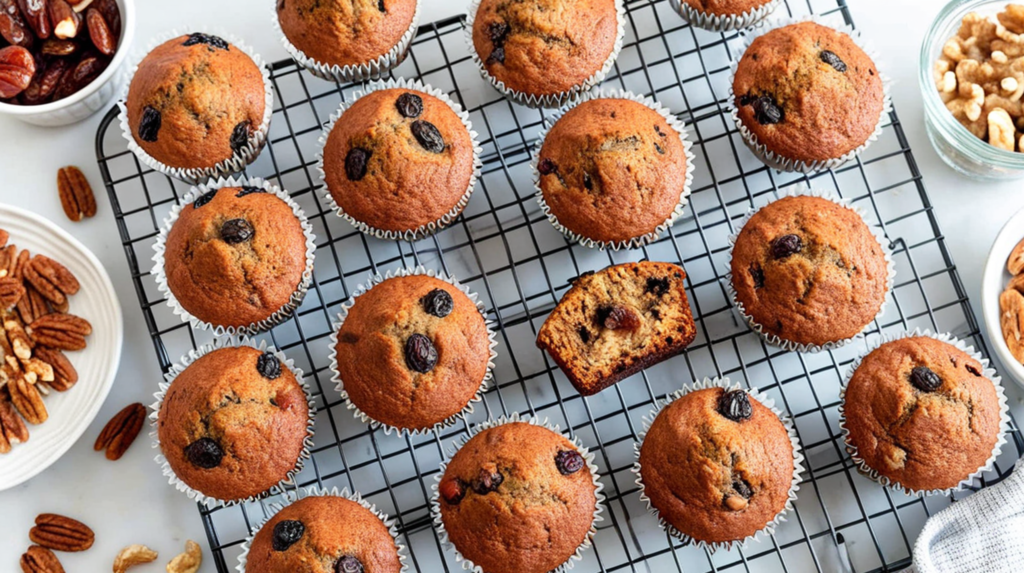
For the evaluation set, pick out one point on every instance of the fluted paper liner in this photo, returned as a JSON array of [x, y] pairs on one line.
[[240, 158], [547, 100], [684, 193], [775, 160], [314, 491], [280, 315], [423, 230], [987, 371], [375, 280], [726, 22], [765, 401], [588, 457], [774, 340], [178, 368]]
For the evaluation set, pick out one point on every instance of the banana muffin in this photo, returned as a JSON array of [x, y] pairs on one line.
[[612, 170], [726, 7], [517, 498], [323, 534], [399, 161], [717, 465], [614, 323], [232, 424], [920, 413], [235, 256], [412, 352], [196, 101], [808, 271], [808, 93]]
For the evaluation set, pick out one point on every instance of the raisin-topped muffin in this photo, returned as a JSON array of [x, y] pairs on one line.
[[399, 160], [196, 101], [808, 271], [808, 93], [614, 323], [612, 170], [517, 498], [717, 465], [323, 534], [412, 351], [232, 424], [921, 413]]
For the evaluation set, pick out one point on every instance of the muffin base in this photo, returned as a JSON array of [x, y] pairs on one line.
[[716, 23]]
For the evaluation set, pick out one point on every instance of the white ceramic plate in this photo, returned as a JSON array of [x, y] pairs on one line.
[[993, 281], [71, 412]]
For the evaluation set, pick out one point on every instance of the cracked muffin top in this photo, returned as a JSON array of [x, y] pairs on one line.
[[345, 32], [195, 101], [323, 534], [398, 159], [235, 256], [232, 424], [726, 7], [921, 413], [412, 351], [808, 92], [809, 271], [612, 170], [517, 498], [717, 465], [544, 47]]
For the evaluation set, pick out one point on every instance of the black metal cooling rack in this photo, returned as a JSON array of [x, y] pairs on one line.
[[505, 250]]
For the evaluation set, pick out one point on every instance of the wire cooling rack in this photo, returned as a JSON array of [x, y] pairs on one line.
[[504, 249]]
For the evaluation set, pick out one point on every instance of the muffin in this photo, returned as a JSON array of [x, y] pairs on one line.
[[197, 105], [400, 162], [920, 414], [324, 534], [347, 40], [236, 257], [412, 352], [614, 323], [541, 53], [232, 424], [717, 465], [807, 272], [724, 15], [517, 498], [807, 97], [612, 172]]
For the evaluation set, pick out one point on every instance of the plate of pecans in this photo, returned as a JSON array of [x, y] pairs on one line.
[[60, 342]]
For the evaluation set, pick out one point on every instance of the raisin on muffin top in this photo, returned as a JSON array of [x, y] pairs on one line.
[[726, 7], [345, 32]]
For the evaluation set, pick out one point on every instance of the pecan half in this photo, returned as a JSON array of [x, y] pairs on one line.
[[8, 254], [11, 292], [19, 341], [42, 370], [40, 560], [119, 433], [13, 430], [52, 279], [76, 194], [32, 305], [64, 374], [133, 555], [60, 331], [4, 237], [61, 533], [18, 264], [26, 398]]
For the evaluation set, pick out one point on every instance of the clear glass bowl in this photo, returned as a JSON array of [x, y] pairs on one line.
[[954, 143]]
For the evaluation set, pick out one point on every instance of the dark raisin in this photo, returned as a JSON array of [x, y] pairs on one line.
[[149, 126], [487, 482], [380, 6], [735, 405], [619, 318], [785, 246], [656, 286], [767, 110], [497, 56], [833, 60], [207, 39], [286, 533], [409, 105], [587, 181], [452, 490], [757, 275], [568, 462], [204, 198], [428, 136], [355, 163], [268, 366], [235, 231], [659, 149], [349, 563], [498, 32], [584, 334], [204, 453], [438, 303], [420, 354], [746, 99], [546, 166], [249, 190], [657, 129], [240, 136], [973, 370], [924, 379], [743, 488]]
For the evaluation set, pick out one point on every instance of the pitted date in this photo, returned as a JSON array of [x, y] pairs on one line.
[[99, 32], [45, 82], [59, 48], [85, 71], [34, 13], [12, 26]]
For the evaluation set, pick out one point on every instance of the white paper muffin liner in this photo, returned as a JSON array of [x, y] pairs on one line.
[[728, 386], [883, 243], [314, 491], [375, 280], [684, 194], [777, 161], [178, 368], [426, 229], [987, 371], [547, 100], [280, 315], [725, 23], [588, 457], [352, 73], [233, 164]]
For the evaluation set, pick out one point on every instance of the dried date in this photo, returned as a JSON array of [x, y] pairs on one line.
[[34, 13], [12, 26], [65, 21], [60, 48], [99, 32], [17, 66], [44, 84], [111, 13], [76, 78]]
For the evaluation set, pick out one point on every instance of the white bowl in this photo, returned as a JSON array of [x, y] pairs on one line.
[[993, 282], [94, 96]]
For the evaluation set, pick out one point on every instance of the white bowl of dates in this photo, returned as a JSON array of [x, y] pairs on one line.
[[61, 60], [1002, 303]]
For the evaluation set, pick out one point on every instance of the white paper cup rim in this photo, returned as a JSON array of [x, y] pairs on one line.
[[724, 22]]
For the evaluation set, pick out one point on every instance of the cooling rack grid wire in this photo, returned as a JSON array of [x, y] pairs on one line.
[[503, 248]]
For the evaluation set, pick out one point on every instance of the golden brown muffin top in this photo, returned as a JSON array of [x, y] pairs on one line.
[[345, 32]]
